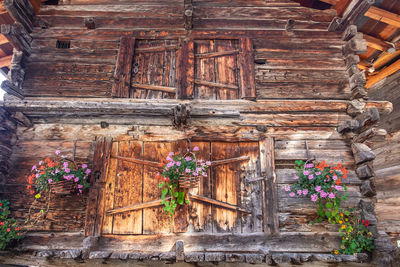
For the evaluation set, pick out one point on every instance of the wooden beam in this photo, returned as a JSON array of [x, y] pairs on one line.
[[139, 161], [11, 89], [3, 39], [5, 61], [384, 59], [217, 203], [218, 85], [156, 49], [217, 54], [150, 204], [154, 87], [383, 16], [376, 43], [231, 160], [383, 74]]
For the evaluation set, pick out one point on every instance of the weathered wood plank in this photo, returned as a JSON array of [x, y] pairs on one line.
[[149, 204], [123, 69], [217, 203], [247, 72], [185, 70]]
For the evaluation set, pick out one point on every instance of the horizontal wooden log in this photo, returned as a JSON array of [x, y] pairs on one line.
[[150, 204], [217, 54], [156, 49], [382, 15], [217, 203], [11, 89], [227, 161], [362, 153], [217, 85]]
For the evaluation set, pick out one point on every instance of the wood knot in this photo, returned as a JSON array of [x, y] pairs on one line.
[[181, 115]]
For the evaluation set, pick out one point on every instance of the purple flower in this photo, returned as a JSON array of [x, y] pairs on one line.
[[88, 171], [314, 197], [334, 177], [310, 177], [67, 177], [296, 177], [178, 163], [40, 162], [305, 192], [338, 187], [67, 170], [188, 158], [331, 195], [287, 188], [208, 163], [318, 173], [323, 194], [33, 167], [170, 164], [80, 186], [196, 148], [76, 179], [292, 194], [84, 166], [318, 188], [58, 152], [57, 171], [187, 170], [299, 192], [306, 172], [50, 181]]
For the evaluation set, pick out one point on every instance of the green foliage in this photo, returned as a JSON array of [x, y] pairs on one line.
[[355, 236], [9, 229]]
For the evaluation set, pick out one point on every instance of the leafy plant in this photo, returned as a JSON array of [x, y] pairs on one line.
[[175, 166], [61, 169], [9, 229], [355, 236]]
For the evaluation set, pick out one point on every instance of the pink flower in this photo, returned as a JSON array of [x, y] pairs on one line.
[[310, 177], [198, 169], [331, 195], [195, 174], [33, 167], [318, 188], [310, 165], [314, 197], [338, 187], [292, 194], [204, 174], [196, 148], [37, 175], [287, 188], [80, 191], [65, 164], [305, 192], [84, 166], [334, 177], [88, 171], [323, 194], [57, 171], [67, 170], [299, 192], [188, 158], [296, 177], [169, 158], [40, 162], [318, 173], [187, 170], [171, 154], [170, 164], [80, 186], [76, 179], [306, 172], [58, 152], [208, 163], [178, 163], [50, 181]]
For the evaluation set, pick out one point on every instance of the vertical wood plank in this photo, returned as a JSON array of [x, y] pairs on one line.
[[251, 191], [267, 161], [155, 69], [204, 70], [109, 191], [226, 69], [128, 189], [200, 213], [185, 70], [247, 72], [123, 69], [155, 220]]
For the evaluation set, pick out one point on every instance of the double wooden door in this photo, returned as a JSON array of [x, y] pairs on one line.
[[231, 198]]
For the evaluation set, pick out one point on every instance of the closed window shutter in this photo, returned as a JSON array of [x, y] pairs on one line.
[[123, 69], [247, 72]]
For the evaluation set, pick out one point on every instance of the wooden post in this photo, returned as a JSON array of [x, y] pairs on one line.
[[185, 70], [188, 15], [247, 72], [123, 68]]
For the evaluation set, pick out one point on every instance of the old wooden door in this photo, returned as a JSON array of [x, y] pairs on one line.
[[232, 198]]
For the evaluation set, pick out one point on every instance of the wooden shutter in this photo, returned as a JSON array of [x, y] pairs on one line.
[[123, 69], [94, 211], [247, 72], [185, 70]]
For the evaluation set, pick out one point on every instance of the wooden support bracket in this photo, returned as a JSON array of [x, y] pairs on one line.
[[149, 204], [217, 203]]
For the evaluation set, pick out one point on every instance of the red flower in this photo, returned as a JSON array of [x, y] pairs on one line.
[[363, 221], [1, 204], [8, 229], [16, 228], [366, 223], [1, 223], [28, 186], [32, 192]]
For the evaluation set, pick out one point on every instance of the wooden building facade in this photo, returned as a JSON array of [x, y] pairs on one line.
[[255, 84]]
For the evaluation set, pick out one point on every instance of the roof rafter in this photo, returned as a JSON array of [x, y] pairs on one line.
[[383, 16]]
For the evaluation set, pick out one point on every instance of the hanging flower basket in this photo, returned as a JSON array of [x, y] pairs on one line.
[[187, 181], [62, 187]]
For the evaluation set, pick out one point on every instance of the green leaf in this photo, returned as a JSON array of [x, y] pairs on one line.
[[329, 205], [164, 192]]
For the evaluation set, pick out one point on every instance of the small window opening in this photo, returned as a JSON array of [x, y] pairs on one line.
[[63, 44], [51, 2]]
